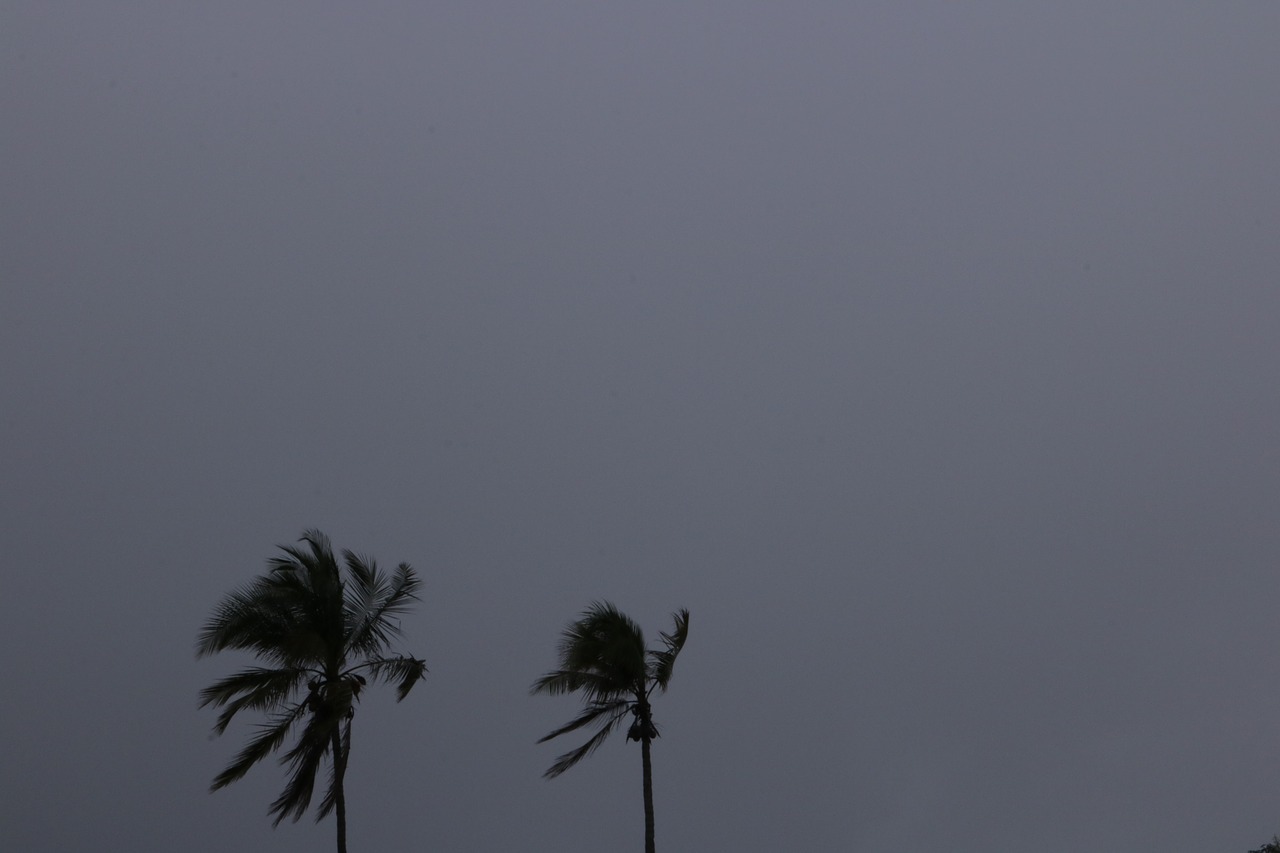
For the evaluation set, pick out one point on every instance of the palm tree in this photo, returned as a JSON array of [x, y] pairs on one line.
[[322, 638], [603, 656]]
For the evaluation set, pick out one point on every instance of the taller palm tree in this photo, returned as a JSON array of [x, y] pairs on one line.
[[322, 639], [603, 657]]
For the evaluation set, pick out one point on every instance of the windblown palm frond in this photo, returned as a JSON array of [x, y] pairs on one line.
[[256, 689], [304, 761], [563, 681], [404, 671], [663, 661], [613, 709], [614, 714], [376, 603], [268, 739]]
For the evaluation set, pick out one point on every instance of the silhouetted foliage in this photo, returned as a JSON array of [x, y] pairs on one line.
[[1273, 847], [323, 639], [603, 657]]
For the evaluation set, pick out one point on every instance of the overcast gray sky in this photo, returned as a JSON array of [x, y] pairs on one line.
[[929, 353]]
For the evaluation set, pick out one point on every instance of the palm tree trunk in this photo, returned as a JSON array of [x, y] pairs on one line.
[[648, 794], [340, 795]]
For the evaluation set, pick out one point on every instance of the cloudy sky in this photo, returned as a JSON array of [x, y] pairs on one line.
[[929, 353]]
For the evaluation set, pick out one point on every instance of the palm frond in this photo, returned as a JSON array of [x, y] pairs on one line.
[[304, 761], [589, 715], [376, 603], [277, 618], [305, 578], [251, 618], [568, 759], [270, 736], [364, 571], [365, 589], [405, 670], [601, 655], [310, 571], [664, 661], [605, 643], [594, 685], [256, 688], [330, 800]]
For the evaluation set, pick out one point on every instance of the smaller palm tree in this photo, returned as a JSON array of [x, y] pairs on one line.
[[323, 639], [603, 657]]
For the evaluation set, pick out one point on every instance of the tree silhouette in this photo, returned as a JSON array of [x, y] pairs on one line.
[[322, 639], [603, 657]]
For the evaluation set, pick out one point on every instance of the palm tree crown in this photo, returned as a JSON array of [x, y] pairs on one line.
[[321, 638], [603, 657]]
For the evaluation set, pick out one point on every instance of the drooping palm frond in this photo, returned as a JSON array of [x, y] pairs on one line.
[[330, 800], [269, 738], [304, 761], [405, 671], [256, 688], [589, 715], [573, 756]]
